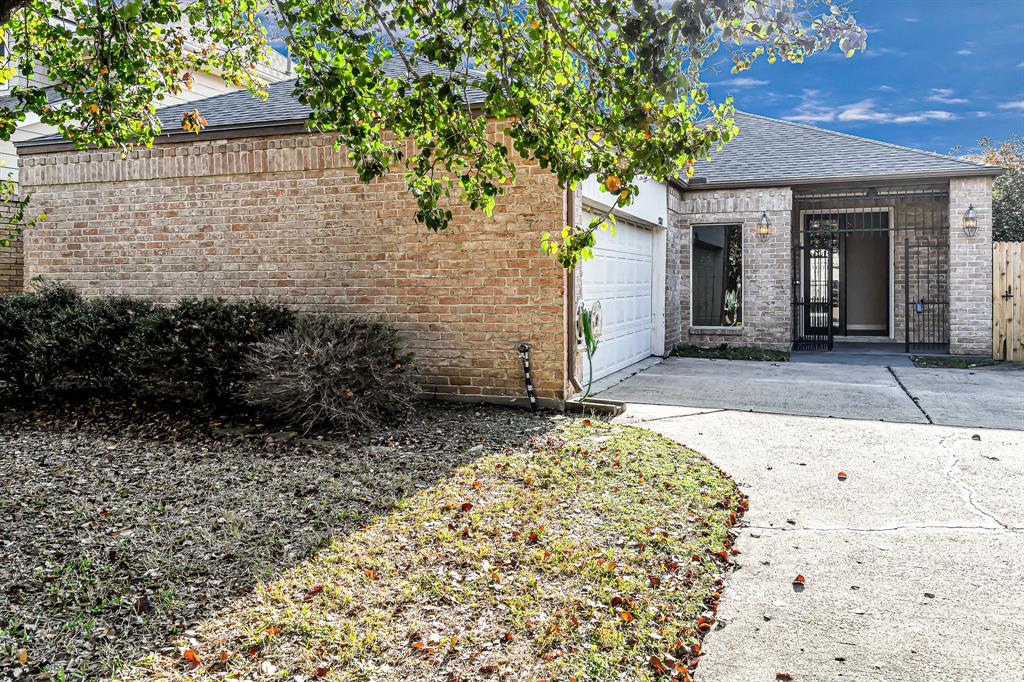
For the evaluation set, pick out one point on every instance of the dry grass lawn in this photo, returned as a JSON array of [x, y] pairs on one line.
[[593, 552]]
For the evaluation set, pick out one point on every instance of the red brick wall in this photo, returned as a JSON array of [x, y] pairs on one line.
[[285, 218], [11, 273], [12, 276]]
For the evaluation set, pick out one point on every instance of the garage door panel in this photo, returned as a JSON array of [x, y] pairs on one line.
[[620, 276]]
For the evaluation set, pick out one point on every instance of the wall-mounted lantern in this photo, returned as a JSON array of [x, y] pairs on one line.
[[971, 221], [764, 227]]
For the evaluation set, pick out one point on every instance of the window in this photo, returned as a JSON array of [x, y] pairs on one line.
[[717, 276]]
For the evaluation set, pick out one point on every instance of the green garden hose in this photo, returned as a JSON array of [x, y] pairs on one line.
[[590, 345]]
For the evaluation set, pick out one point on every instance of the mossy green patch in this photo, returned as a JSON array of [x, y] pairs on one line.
[[950, 362], [724, 352]]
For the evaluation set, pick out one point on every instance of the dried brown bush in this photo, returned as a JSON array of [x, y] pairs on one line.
[[338, 372]]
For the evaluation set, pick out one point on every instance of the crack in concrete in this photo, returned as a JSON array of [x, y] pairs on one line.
[[967, 493], [678, 416], [914, 400]]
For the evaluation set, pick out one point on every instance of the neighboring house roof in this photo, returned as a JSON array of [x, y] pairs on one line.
[[10, 101], [240, 111], [772, 151]]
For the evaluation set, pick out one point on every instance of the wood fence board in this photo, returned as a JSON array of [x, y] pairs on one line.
[[1008, 301]]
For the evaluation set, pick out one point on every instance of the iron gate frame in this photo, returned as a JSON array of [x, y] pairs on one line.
[[924, 231], [930, 332], [804, 311]]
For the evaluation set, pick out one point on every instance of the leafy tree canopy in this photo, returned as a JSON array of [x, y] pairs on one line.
[[1008, 190], [611, 88]]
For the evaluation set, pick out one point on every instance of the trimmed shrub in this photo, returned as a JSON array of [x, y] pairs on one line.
[[37, 336], [52, 338], [115, 345], [316, 371], [200, 344], [344, 373]]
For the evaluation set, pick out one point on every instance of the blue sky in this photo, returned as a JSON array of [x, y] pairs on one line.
[[936, 74]]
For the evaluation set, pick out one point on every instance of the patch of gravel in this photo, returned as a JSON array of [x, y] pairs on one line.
[[122, 528]]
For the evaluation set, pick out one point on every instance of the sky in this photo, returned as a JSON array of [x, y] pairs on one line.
[[936, 74]]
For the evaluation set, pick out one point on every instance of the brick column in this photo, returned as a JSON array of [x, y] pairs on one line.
[[970, 268]]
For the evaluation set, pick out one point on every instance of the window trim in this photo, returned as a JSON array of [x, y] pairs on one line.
[[718, 329]]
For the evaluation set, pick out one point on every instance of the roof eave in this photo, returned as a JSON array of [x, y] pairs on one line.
[[264, 129]]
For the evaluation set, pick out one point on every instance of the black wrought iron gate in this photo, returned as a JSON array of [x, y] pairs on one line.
[[859, 252], [813, 296], [926, 295]]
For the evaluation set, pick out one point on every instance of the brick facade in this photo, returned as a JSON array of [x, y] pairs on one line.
[[12, 275], [286, 219], [767, 266], [970, 273]]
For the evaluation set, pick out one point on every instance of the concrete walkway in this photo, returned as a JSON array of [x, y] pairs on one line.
[[914, 565], [991, 397]]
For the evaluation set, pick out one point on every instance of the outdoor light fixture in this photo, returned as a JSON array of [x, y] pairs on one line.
[[764, 227], [971, 221]]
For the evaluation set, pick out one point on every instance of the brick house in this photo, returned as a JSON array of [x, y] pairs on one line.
[[792, 236], [204, 85]]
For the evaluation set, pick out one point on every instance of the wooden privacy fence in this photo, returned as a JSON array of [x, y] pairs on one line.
[[1008, 301]]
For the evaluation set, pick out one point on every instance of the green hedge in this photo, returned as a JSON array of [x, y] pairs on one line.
[[52, 338], [310, 371]]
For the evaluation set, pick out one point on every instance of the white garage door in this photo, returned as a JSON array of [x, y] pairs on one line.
[[620, 276]]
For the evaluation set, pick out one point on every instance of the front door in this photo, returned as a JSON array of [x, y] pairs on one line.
[[846, 264]]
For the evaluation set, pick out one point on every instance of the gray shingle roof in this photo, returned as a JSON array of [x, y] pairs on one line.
[[769, 150], [239, 109], [10, 101]]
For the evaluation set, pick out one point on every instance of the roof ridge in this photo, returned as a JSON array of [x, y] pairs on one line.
[[795, 124]]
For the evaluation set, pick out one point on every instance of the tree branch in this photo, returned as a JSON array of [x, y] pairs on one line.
[[9, 7]]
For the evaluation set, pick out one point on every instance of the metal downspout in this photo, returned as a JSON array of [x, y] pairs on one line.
[[570, 300]]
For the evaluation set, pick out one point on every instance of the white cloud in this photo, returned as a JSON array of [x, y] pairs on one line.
[[812, 110], [965, 52], [886, 88], [982, 114], [925, 116], [944, 96], [744, 82], [1021, 65], [911, 20], [1019, 104], [862, 111], [882, 51]]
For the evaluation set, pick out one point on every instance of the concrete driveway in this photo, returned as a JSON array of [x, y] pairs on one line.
[[991, 397], [914, 564]]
